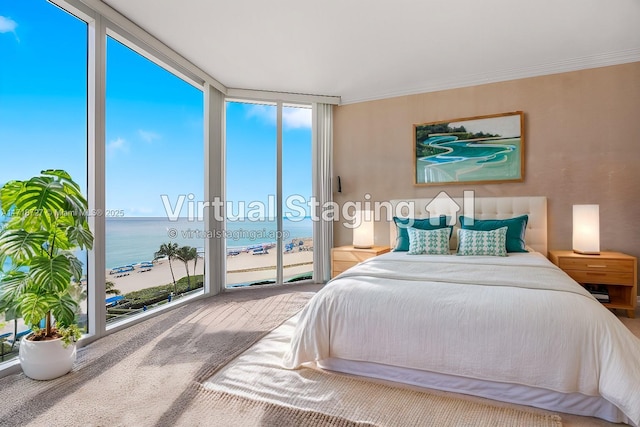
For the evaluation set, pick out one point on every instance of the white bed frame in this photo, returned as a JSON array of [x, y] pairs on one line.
[[483, 208]]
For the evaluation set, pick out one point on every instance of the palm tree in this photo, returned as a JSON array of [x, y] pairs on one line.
[[195, 261], [186, 254], [109, 288], [168, 250]]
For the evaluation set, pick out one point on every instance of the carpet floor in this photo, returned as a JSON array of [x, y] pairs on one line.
[[148, 374], [158, 373]]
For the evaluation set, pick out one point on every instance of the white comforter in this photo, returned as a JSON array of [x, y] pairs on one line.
[[517, 319]]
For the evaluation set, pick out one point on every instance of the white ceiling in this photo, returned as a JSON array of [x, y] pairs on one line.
[[370, 49]]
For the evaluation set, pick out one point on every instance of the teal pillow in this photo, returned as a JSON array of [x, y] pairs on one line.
[[428, 242], [402, 239], [516, 228], [474, 242]]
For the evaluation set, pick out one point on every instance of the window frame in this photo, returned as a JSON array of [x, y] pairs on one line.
[[280, 106]]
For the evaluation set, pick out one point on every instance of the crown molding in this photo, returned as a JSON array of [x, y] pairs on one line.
[[557, 67]]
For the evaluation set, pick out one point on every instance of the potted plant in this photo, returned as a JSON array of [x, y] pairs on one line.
[[46, 224]]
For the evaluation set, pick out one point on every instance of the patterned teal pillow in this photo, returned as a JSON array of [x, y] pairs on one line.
[[516, 227], [402, 224], [429, 242], [474, 242]]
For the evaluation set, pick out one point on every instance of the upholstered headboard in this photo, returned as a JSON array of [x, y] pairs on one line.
[[483, 208]]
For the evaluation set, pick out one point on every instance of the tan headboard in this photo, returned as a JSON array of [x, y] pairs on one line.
[[484, 208]]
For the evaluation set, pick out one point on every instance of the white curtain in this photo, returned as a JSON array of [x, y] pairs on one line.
[[322, 126]]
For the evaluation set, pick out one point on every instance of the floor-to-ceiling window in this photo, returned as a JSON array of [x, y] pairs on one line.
[[43, 110], [255, 225], [297, 192], [251, 150], [154, 184]]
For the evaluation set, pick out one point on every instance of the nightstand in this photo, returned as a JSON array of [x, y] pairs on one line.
[[345, 257], [616, 271]]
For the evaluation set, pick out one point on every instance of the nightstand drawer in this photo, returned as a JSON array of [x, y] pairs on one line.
[[343, 265], [352, 257], [610, 265], [602, 277]]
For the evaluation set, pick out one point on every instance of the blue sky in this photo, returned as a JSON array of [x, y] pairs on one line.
[[154, 120]]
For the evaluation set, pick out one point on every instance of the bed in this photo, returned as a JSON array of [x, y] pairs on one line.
[[512, 328]]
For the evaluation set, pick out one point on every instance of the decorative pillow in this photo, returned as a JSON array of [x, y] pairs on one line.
[[429, 242], [516, 228], [474, 242], [402, 239]]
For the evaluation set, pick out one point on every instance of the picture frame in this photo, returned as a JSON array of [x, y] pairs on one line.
[[471, 150]]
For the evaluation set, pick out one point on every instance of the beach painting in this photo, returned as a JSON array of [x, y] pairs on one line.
[[482, 149]]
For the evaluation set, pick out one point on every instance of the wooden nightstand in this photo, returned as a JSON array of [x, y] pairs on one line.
[[616, 271], [345, 257]]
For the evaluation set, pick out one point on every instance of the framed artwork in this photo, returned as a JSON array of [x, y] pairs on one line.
[[473, 150]]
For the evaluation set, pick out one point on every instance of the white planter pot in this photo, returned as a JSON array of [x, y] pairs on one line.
[[46, 360]]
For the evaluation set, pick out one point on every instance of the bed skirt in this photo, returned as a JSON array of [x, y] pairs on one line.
[[571, 403]]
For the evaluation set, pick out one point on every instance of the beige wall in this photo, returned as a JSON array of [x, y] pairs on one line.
[[582, 135]]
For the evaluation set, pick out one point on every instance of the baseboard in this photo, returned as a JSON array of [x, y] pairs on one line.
[[10, 368]]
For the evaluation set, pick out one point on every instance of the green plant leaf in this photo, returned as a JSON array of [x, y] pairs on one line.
[[64, 310], [63, 176], [75, 265], [70, 334], [8, 194], [12, 285], [20, 245], [75, 199], [45, 199], [81, 236], [34, 307], [51, 274], [60, 239]]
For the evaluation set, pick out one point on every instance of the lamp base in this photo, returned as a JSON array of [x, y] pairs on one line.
[[586, 252], [362, 247]]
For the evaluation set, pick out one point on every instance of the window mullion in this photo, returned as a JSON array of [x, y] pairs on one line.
[[279, 210], [96, 175]]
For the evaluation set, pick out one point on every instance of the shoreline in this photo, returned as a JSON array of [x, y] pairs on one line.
[[295, 243], [242, 267]]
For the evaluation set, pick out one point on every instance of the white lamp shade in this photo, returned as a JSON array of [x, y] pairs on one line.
[[363, 230], [586, 229]]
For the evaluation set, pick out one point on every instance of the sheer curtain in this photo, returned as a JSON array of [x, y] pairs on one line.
[[322, 126]]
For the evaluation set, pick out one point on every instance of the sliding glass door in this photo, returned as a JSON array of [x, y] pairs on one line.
[[297, 227], [269, 235]]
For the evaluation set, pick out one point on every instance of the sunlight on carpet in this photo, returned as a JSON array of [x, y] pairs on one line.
[[257, 376]]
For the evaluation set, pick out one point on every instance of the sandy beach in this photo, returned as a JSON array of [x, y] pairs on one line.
[[242, 268]]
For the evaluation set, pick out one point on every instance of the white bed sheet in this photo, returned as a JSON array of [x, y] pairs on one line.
[[517, 320]]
